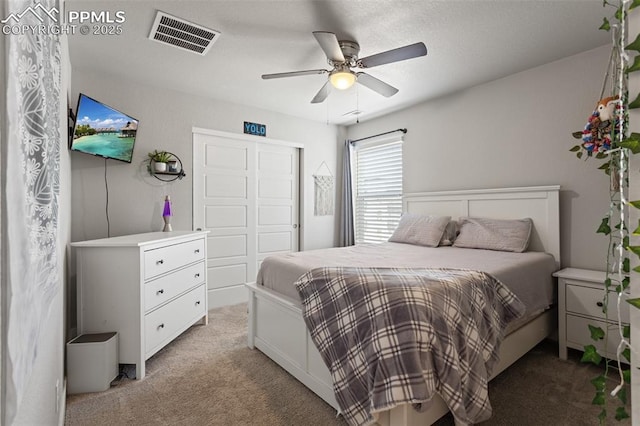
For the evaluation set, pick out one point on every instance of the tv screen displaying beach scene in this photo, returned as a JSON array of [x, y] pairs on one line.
[[103, 131]]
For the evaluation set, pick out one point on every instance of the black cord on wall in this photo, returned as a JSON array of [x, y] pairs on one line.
[[106, 207]]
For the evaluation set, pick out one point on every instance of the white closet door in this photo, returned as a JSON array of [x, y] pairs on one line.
[[277, 200], [245, 193], [224, 190]]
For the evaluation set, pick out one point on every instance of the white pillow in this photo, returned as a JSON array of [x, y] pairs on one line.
[[421, 230], [494, 234]]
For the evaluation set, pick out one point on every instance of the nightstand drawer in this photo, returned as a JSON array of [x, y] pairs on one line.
[[579, 335], [589, 301]]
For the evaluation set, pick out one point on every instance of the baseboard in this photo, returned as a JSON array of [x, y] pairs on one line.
[[62, 404], [231, 295]]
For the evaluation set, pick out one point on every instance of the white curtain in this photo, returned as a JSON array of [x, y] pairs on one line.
[[31, 197]]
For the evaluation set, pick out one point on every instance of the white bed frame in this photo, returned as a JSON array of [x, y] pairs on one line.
[[276, 326]]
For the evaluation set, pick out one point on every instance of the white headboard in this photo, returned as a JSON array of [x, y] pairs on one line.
[[540, 203]]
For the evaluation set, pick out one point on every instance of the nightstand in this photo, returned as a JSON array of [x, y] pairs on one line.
[[580, 304]]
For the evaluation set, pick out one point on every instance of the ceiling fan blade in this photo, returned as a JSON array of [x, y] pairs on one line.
[[292, 74], [394, 55], [322, 94], [376, 85], [329, 43]]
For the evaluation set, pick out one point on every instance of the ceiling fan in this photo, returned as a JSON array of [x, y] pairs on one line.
[[342, 55]]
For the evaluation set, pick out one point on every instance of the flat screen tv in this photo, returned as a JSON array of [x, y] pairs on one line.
[[103, 131]]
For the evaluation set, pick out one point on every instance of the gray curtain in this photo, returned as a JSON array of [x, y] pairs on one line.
[[347, 231]]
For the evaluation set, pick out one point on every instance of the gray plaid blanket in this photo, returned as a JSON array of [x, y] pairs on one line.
[[395, 336]]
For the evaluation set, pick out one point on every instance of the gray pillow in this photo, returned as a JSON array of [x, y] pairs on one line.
[[494, 234], [450, 233], [421, 230]]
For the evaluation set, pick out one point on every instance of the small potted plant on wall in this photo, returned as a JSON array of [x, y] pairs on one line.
[[159, 160]]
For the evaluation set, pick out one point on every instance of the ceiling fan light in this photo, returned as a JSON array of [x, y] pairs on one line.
[[342, 79]]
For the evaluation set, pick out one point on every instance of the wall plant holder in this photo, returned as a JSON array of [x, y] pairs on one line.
[[165, 166]]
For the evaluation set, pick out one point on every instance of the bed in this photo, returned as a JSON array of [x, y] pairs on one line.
[[277, 328]]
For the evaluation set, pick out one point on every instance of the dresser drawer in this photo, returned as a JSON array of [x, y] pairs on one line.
[[160, 290], [579, 335], [165, 259], [165, 323], [589, 301]]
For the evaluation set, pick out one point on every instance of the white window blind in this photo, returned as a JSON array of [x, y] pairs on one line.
[[378, 190]]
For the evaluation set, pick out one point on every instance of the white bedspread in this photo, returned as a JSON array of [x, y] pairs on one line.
[[527, 274]]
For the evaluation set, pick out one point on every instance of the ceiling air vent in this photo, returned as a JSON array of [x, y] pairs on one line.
[[186, 35]]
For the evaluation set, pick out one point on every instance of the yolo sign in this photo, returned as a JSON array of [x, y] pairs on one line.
[[255, 129]]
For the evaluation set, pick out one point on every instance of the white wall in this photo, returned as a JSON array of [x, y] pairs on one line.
[[3, 270], [166, 119], [515, 131]]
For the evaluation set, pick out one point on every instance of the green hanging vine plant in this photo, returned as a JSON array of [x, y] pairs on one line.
[[606, 136]]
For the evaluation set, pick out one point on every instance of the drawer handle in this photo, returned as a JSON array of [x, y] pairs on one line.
[[600, 304], [196, 251], [161, 291], [197, 302], [197, 275], [159, 262], [161, 326]]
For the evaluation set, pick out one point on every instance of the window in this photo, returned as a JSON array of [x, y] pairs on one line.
[[377, 178]]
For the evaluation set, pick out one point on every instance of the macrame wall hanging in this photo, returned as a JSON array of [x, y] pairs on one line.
[[323, 192]]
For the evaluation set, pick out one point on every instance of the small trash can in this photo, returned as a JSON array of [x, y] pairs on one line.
[[92, 362]]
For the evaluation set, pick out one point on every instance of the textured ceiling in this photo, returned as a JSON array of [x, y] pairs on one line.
[[469, 42]]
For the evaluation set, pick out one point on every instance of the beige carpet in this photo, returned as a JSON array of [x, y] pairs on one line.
[[208, 376]]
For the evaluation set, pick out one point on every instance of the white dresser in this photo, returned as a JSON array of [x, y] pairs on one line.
[[580, 304], [148, 287]]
